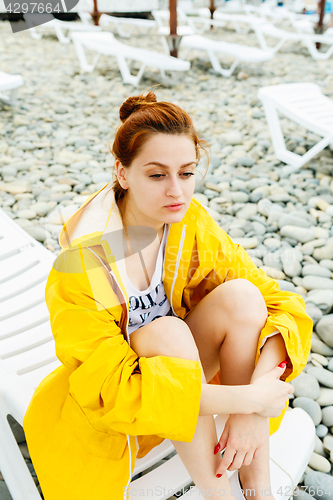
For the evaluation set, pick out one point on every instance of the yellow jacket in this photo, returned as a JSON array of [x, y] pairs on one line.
[[103, 407]]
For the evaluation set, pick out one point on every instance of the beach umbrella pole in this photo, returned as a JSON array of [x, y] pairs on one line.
[[173, 28], [96, 14]]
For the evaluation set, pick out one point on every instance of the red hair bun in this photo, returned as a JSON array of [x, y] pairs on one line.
[[134, 103]]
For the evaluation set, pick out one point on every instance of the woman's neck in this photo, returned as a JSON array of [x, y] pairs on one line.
[[121, 208]]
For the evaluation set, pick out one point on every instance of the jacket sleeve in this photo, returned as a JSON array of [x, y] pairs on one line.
[[114, 388], [286, 310]]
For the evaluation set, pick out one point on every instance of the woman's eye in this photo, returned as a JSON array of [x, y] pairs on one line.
[[185, 174]]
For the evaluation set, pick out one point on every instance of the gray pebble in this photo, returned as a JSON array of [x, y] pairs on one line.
[[324, 377], [310, 406], [324, 329], [39, 233], [327, 414], [306, 386], [297, 233], [326, 397], [322, 484], [321, 431]]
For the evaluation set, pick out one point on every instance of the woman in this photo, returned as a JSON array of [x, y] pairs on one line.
[[150, 300]]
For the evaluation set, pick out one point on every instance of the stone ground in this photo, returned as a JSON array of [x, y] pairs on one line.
[[54, 153]]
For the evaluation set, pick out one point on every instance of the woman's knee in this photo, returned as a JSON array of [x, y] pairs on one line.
[[244, 302], [165, 336]]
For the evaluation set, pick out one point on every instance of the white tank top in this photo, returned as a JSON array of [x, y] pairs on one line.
[[147, 305]]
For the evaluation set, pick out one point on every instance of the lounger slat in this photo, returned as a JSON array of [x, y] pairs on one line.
[[22, 302], [24, 321], [32, 379], [25, 281], [20, 262], [154, 456], [26, 340], [26, 361], [10, 246]]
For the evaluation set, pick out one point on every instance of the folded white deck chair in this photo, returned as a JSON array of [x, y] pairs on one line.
[[241, 23], [182, 30], [308, 40], [240, 53], [304, 104], [27, 355], [105, 43], [162, 18], [271, 12], [8, 87], [60, 28], [105, 21]]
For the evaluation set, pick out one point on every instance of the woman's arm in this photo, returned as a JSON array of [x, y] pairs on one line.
[[273, 352], [266, 395]]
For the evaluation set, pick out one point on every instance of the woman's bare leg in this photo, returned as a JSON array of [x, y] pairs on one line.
[[234, 314], [172, 337], [225, 325]]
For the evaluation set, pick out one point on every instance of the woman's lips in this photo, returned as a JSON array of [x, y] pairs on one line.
[[175, 207]]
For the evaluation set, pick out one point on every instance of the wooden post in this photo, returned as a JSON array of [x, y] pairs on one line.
[[173, 25], [321, 15], [96, 14], [212, 8], [320, 25]]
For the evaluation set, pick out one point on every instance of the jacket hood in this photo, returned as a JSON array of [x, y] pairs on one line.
[[98, 223]]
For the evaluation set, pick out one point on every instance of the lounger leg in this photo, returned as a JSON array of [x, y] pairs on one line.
[[186, 52], [60, 34], [34, 34], [85, 66], [279, 144], [13, 467], [12, 100], [217, 66], [263, 43], [167, 80], [120, 31], [126, 74], [311, 46]]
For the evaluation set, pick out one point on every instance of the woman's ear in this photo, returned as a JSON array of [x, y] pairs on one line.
[[121, 174]]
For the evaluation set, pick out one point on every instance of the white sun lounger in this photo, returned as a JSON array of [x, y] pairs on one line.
[[162, 18], [105, 21], [8, 87], [304, 104], [241, 23], [27, 356], [308, 40], [60, 28], [105, 43], [240, 53]]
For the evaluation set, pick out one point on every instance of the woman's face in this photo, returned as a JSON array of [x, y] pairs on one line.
[[162, 174]]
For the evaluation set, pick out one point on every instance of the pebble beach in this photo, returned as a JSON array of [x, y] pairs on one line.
[[54, 153]]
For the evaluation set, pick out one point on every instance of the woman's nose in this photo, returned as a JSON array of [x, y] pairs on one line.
[[174, 188]]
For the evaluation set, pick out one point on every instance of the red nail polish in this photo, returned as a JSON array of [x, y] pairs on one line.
[[283, 364], [218, 475], [217, 448]]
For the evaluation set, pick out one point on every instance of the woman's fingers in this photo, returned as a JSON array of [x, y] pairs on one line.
[[248, 458], [237, 461], [223, 440], [234, 460], [227, 459]]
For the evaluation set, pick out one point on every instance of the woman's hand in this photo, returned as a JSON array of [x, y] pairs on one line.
[[269, 393], [242, 436]]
